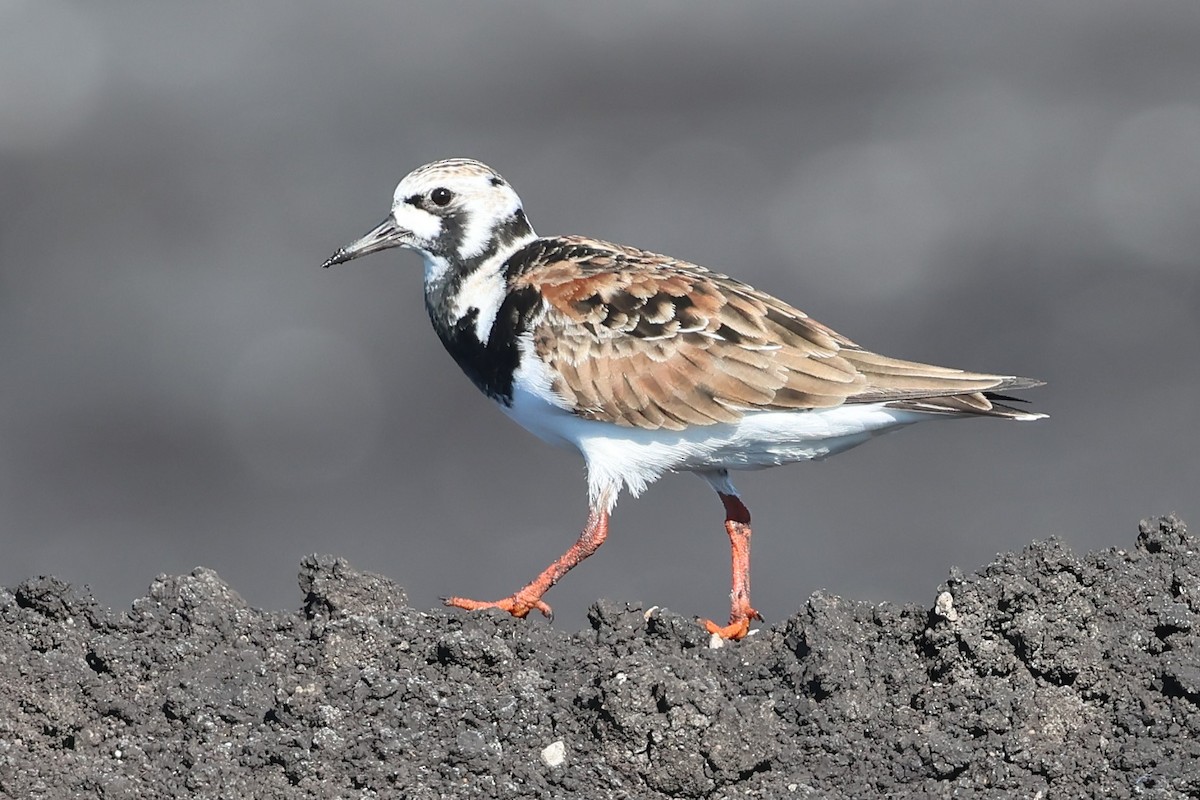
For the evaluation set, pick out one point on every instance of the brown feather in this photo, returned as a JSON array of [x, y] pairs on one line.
[[646, 341]]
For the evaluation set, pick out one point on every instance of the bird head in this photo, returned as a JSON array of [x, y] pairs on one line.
[[454, 212]]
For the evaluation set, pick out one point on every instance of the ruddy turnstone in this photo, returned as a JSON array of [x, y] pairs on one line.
[[646, 364]]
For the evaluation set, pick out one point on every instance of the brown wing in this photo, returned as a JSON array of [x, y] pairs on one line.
[[642, 340]]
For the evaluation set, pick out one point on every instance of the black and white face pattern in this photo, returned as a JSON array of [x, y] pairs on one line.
[[459, 214], [467, 222]]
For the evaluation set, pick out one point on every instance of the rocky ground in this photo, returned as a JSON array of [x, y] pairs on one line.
[[1044, 674]]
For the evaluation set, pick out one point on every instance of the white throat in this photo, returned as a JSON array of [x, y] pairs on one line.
[[482, 290], [436, 268]]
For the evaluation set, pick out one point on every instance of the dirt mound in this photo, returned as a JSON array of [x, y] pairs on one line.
[[1043, 672]]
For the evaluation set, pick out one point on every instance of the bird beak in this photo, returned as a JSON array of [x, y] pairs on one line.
[[386, 234]]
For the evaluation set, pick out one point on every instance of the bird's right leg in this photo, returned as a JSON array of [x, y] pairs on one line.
[[529, 597]]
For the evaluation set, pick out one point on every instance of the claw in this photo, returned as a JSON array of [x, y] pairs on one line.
[[515, 604], [734, 630], [738, 627]]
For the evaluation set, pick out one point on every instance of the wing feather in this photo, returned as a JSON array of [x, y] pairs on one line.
[[647, 341]]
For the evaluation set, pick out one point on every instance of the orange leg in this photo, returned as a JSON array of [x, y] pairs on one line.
[[737, 525], [529, 597]]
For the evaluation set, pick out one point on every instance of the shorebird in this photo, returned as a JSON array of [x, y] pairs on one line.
[[647, 364]]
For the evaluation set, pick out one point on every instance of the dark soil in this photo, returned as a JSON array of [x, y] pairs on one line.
[[1042, 674]]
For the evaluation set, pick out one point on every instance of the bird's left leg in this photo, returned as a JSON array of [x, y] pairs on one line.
[[737, 525]]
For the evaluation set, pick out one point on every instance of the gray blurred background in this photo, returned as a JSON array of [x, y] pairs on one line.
[[1010, 187]]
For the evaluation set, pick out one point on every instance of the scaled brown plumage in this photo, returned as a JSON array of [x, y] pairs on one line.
[[643, 340]]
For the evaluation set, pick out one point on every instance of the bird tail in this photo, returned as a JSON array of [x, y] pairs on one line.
[[977, 404]]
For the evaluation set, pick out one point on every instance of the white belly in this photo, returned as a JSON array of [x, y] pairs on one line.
[[623, 457]]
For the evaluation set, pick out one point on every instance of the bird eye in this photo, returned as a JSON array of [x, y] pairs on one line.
[[441, 196]]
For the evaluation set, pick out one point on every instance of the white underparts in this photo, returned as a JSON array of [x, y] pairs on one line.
[[629, 458]]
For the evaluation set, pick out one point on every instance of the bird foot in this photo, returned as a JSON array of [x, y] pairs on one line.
[[738, 627], [518, 605]]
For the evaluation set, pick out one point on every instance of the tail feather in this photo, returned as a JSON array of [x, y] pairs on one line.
[[1015, 382], [978, 404]]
